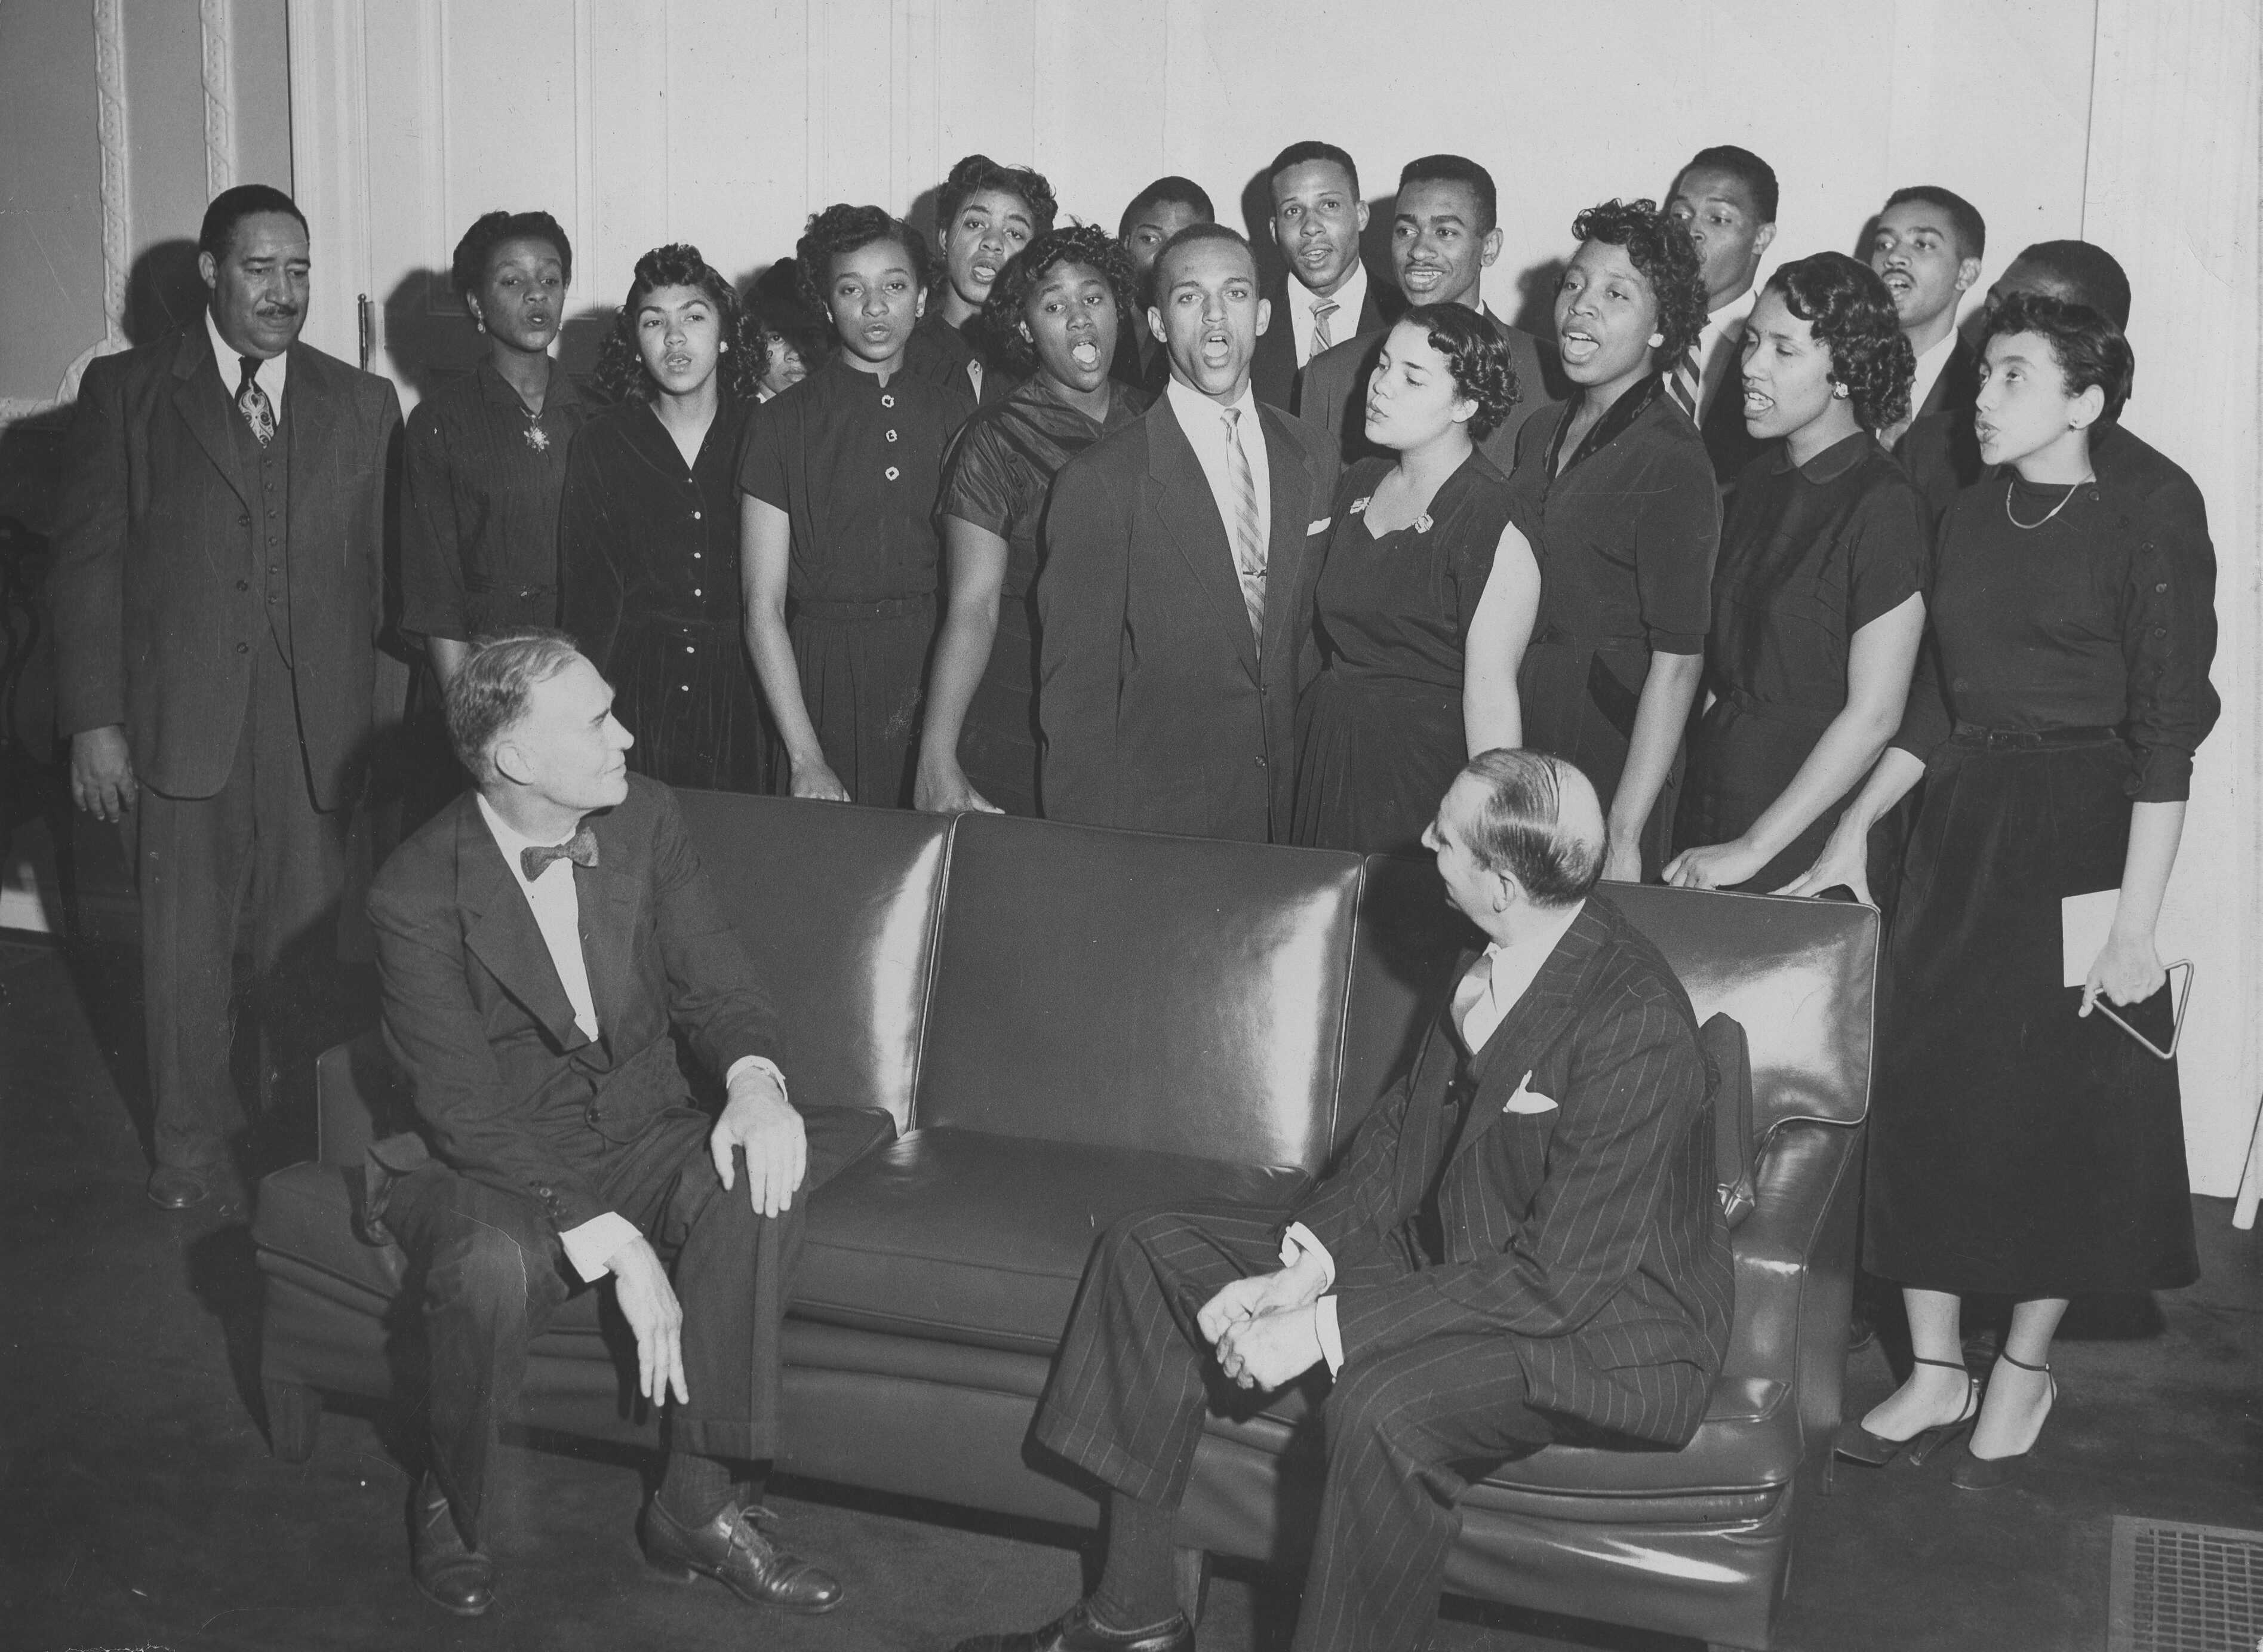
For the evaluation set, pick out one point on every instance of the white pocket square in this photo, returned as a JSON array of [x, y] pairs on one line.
[[1527, 1100], [1322, 526]]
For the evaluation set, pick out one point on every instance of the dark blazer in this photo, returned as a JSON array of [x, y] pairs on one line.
[[509, 1090], [1273, 364], [1728, 443], [1156, 710], [155, 588], [1957, 388], [1592, 1232], [1332, 392]]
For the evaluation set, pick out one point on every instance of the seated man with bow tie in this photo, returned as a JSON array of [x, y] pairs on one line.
[[537, 942], [1523, 1235]]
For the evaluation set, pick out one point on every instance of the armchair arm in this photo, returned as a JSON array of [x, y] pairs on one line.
[[359, 1097]]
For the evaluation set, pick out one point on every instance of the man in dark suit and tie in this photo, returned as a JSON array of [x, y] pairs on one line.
[[1523, 1234], [1173, 597], [1928, 247], [1726, 197], [1323, 298], [537, 942], [1444, 236], [217, 594]]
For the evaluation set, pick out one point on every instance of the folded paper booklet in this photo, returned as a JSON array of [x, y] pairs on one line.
[[2084, 923]]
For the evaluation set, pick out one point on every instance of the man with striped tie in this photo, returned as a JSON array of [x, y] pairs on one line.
[[1173, 600], [1726, 196], [1523, 1236], [1324, 297]]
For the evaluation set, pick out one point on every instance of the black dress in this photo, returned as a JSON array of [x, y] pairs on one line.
[[857, 466], [1811, 554], [648, 560], [1380, 733], [957, 359], [997, 479], [2016, 1149], [1625, 536]]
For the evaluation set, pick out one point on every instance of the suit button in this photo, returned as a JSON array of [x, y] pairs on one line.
[[243, 585], [243, 648], [243, 522], [1261, 762]]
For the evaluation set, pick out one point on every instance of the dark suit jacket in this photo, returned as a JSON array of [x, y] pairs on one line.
[[1957, 388], [155, 588], [1156, 710], [1728, 443], [1593, 1232], [1332, 392], [510, 1091], [1273, 364]]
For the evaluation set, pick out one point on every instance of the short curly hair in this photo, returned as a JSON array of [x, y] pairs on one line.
[[842, 228], [1663, 254], [1087, 244], [621, 375], [489, 230], [2089, 348], [1847, 305], [1477, 356], [978, 172]]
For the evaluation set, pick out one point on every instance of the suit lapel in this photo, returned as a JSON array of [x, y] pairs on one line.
[[1291, 486], [1532, 1026], [611, 896], [309, 417], [499, 928], [205, 414], [1181, 495]]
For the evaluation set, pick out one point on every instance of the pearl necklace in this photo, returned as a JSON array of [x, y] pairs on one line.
[[2029, 526]]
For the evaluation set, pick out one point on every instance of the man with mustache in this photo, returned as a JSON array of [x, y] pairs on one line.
[[217, 592], [1318, 217]]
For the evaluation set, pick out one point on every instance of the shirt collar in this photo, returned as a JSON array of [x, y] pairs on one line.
[[1351, 298], [1833, 461], [269, 374], [1735, 312], [1198, 412], [508, 838], [498, 389]]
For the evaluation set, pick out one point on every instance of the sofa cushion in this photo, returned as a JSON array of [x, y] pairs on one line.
[[961, 1236]]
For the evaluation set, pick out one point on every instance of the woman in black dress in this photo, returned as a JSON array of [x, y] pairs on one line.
[[1817, 602], [988, 213], [1627, 521], [2020, 1145], [1053, 312], [648, 531], [1424, 599]]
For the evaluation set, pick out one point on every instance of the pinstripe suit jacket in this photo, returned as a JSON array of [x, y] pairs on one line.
[[1591, 1233]]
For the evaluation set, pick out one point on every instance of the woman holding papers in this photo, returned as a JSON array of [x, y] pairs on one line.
[[2022, 1144]]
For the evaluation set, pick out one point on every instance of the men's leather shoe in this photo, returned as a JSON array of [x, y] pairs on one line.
[[1074, 1631], [174, 1189], [453, 1575], [735, 1553]]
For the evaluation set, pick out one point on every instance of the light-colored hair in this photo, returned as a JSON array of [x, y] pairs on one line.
[[489, 694], [1520, 831]]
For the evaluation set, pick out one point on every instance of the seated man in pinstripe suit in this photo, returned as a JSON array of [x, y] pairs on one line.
[[1523, 1235]]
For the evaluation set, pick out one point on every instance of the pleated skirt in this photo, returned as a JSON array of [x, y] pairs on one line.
[[862, 666]]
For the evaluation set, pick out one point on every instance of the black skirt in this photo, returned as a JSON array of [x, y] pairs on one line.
[[2016, 1148], [998, 740]]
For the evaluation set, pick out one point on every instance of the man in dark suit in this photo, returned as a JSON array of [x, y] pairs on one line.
[[537, 939], [1172, 595], [1323, 298], [1726, 196], [1523, 1234], [1155, 215], [217, 594], [1928, 247], [1444, 236]]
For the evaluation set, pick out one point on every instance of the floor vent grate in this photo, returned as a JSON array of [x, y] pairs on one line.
[[2179, 1587]]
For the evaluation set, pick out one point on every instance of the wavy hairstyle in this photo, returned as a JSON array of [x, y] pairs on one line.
[[2089, 348], [979, 172], [842, 228], [1477, 358], [1661, 250], [468, 269], [1852, 314], [621, 375], [1087, 244]]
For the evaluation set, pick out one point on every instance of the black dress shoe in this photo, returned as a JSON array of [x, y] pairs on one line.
[[1074, 1631], [453, 1575], [735, 1553], [174, 1189]]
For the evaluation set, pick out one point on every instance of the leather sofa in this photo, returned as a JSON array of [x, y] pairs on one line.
[[1069, 1024]]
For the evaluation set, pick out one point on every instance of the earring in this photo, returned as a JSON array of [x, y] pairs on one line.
[[1658, 341], [1839, 391]]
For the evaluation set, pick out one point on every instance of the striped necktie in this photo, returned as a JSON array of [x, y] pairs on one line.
[[1248, 543], [1321, 336], [1687, 374]]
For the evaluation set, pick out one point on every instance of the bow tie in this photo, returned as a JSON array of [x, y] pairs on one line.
[[580, 849]]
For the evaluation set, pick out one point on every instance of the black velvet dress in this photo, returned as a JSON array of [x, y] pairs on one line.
[[1380, 733], [997, 479], [957, 359], [1811, 554], [649, 564], [857, 466], [2016, 1148]]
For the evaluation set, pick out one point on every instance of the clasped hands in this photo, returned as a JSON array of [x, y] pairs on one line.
[[1265, 1329], [757, 1118]]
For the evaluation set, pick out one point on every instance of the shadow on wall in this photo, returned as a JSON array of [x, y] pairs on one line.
[[431, 338], [165, 290], [1535, 300]]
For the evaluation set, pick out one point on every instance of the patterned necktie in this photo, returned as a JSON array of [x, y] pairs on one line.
[[580, 849], [1687, 374], [1248, 543], [1321, 311], [251, 401], [1474, 989]]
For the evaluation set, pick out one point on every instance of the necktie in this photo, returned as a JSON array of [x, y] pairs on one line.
[[580, 849], [251, 401], [1687, 374], [1474, 989], [1248, 544], [1321, 311]]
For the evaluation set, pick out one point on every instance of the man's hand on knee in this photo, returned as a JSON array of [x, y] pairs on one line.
[[759, 1118], [1271, 1349], [649, 1303], [1245, 1299]]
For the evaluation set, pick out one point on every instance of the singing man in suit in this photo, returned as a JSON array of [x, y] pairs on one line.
[[1318, 217], [1726, 196], [1928, 247], [216, 591], [537, 940], [1444, 235], [1524, 1232], [1173, 601]]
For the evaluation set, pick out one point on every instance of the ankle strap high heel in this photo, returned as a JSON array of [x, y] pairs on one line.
[[2043, 1369], [1984, 1474]]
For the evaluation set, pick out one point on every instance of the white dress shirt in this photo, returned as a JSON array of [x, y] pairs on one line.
[[1343, 322], [1513, 970], [557, 907], [1204, 421], [269, 376], [1929, 367], [1721, 347]]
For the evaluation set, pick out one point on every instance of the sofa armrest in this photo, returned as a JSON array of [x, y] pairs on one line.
[[359, 1097]]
